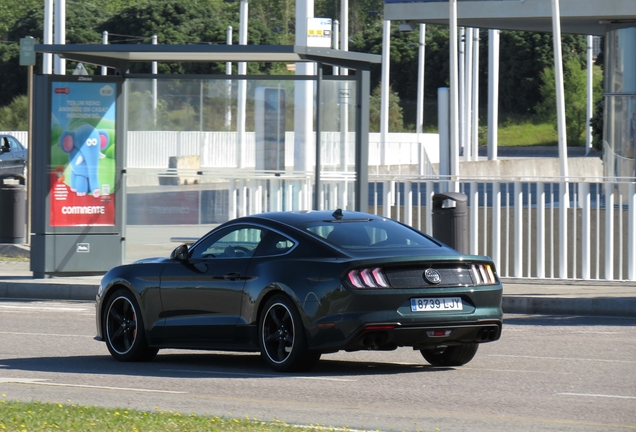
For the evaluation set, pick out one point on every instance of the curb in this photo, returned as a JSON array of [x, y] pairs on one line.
[[624, 307], [48, 291]]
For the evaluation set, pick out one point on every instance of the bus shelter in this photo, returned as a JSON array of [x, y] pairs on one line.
[[235, 140]]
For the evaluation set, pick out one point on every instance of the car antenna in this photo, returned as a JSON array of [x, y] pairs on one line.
[[337, 214]]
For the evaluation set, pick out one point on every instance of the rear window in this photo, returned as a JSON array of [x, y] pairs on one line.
[[368, 234]]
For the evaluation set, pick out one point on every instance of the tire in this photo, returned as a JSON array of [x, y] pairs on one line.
[[124, 330], [282, 337], [456, 355]]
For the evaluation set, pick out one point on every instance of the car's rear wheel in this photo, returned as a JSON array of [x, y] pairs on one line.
[[124, 329], [455, 355], [282, 337]]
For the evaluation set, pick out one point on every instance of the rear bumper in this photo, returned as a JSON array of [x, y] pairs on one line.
[[389, 336]]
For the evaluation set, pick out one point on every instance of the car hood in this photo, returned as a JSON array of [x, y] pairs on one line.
[[156, 260]]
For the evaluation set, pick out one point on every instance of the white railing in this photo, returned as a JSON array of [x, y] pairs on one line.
[[523, 225], [531, 227], [153, 149]]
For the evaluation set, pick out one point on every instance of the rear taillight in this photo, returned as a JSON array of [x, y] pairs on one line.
[[483, 274], [367, 278]]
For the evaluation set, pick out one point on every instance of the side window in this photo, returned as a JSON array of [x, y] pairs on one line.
[[274, 244], [238, 242], [15, 146]]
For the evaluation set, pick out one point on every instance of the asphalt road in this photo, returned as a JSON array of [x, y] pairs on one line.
[[545, 374]]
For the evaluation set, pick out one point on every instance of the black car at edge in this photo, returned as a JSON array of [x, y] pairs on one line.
[[295, 285]]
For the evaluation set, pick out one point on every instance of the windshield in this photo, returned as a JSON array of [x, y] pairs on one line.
[[368, 234]]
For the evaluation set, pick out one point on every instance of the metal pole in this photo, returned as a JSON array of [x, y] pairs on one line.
[[475, 99], [384, 98], [60, 34], [29, 178], [468, 96], [318, 203], [344, 30], [419, 127], [560, 93], [454, 117], [47, 58], [462, 87], [105, 42], [590, 94], [563, 152], [303, 114], [154, 86], [444, 137], [242, 89], [493, 93], [228, 85], [335, 43]]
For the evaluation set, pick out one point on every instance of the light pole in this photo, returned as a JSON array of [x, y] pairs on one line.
[[454, 102], [48, 36], [60, 34], [242, 89]]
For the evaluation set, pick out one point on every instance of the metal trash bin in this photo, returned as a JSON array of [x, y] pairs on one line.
[[450, 220], [12, 209]]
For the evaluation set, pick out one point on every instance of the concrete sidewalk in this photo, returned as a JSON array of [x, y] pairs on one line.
[[524, 296]]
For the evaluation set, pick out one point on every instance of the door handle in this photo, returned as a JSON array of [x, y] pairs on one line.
[[232, 276]]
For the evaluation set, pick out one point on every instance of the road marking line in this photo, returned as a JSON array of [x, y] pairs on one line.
[[598, 395], [12, 308], [560, 358], [513, 370], [257, 375], [47, 334], [40, 382]]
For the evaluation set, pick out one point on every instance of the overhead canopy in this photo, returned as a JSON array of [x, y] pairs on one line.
[[120, 56], [577, 16]]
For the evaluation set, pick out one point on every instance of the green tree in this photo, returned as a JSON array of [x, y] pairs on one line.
[[597, 123], [524, 56], [396, 122], [15, 115], [575, 92]]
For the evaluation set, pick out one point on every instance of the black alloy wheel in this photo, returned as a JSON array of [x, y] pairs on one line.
[[124, 329], [456, 355], [282, 337]]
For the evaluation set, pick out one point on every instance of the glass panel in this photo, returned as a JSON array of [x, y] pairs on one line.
[[203, 151], [621, 55], [619, 136], [337, 144]]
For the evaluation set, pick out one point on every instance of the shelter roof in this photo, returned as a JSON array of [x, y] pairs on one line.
[[119, 56], [594, 17]]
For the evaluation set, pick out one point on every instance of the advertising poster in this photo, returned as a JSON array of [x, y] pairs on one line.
[[83, 143]]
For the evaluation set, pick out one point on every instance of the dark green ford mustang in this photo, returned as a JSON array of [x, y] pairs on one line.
[[294, 285]]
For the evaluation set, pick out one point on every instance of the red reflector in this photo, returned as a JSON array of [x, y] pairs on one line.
[[439, 333], [380, 327]]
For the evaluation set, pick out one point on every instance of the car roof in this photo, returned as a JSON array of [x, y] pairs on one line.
[[300, 217]]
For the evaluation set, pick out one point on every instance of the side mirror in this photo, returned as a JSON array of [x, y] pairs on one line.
[[180, 253]]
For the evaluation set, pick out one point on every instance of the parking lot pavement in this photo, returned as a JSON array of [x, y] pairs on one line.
[[522, 296]]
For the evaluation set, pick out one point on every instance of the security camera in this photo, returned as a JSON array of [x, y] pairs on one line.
[[405, 26]]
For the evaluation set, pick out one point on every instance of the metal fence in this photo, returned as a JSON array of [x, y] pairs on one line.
[[530, 227]]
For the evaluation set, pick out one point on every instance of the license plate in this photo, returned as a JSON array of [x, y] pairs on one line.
[[436, 304]]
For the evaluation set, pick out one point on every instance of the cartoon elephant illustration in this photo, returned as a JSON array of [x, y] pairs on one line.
[[84, 146]]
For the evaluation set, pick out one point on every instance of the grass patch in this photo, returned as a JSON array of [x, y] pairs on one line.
[[22, 416], [527, 133], [15, 259]]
